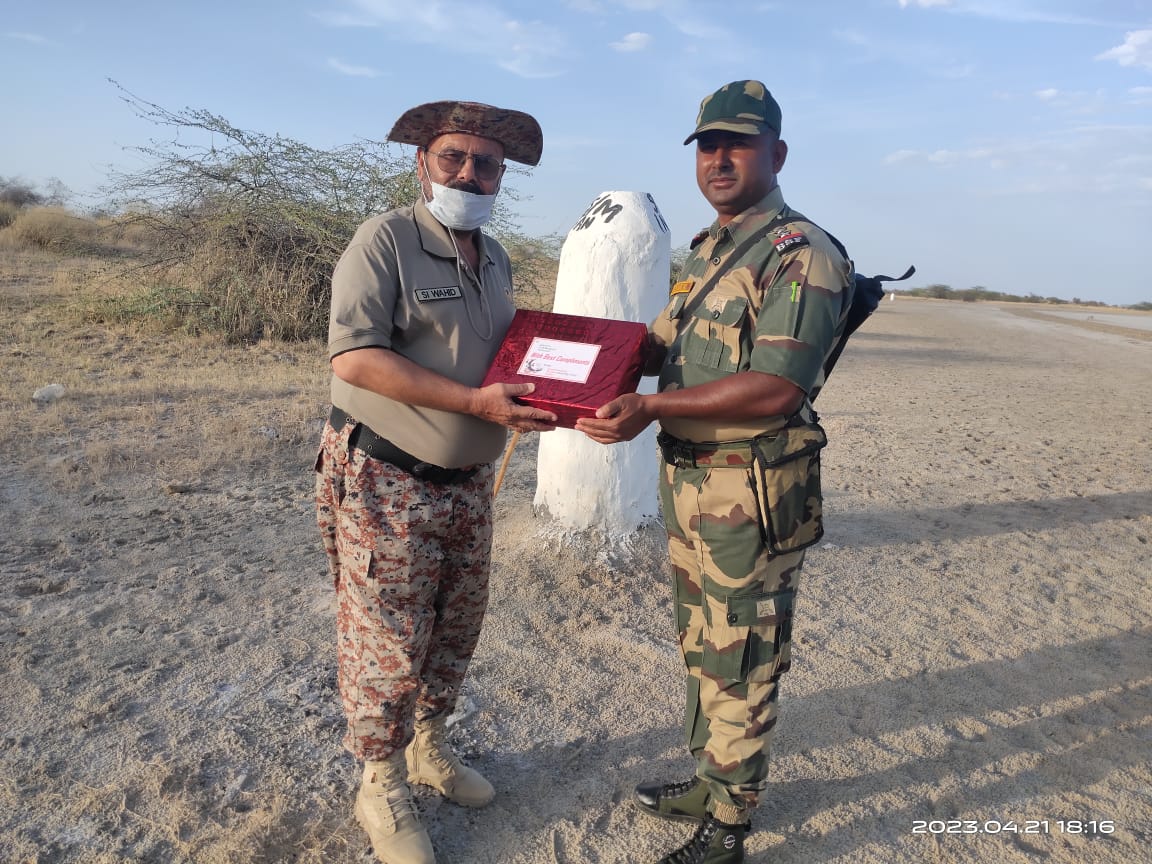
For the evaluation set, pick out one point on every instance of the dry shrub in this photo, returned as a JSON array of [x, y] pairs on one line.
[[535, 263], [129, 231], [243, 228], [52, 229], [216, 291], [7, 213]]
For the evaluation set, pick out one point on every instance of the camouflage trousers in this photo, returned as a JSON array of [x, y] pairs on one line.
[[733, 605], [410, 562]]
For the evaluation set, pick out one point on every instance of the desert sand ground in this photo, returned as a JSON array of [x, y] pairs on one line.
[[972, 644]]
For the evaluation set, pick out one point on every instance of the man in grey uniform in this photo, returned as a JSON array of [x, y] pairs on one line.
[[421, 300]]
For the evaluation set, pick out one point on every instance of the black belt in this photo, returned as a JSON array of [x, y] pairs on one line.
[[716, 454], [371, 444], [721, 454]]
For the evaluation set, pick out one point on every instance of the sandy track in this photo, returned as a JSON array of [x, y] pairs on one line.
[[972, 641]]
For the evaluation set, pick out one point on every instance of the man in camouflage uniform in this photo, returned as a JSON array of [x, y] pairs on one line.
[[740, 350], [421, 300]]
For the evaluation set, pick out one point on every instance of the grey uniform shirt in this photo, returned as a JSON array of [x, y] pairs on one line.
[[400, 285]]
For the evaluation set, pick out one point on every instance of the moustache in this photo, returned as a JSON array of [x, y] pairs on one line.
[[466, 186]]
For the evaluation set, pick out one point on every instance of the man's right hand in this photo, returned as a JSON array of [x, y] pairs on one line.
[[496, 404]]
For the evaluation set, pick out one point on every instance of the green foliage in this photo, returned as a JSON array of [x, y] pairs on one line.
[[980, 293], [936, 291]]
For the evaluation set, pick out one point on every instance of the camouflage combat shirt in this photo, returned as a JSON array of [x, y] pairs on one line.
[[778, 309]]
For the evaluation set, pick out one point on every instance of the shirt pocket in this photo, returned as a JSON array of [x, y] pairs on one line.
[[715, 337]]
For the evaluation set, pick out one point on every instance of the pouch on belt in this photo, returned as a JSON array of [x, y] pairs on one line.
[[787, 475]]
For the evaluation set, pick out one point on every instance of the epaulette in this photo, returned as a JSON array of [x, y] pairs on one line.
[[788, 237], [698, 239]]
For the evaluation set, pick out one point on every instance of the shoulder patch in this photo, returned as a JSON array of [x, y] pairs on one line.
[[787, 237], [682, 287], [698, 239]]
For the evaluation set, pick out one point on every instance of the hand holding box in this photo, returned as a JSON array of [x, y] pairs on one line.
[[577, 363]]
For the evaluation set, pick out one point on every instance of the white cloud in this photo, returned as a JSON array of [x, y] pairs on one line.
[[1013, 11], [700, 28], [353, 71], [346, 19], [633, 42], [1088, 159], [531, 49], [1079, 103], [925, 58], [901, 156], [1135, 160], [953, 157], [683, 15], [32, 38], [1136, 50], [535, 49]]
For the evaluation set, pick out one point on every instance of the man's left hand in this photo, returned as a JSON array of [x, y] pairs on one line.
[[622, 419]]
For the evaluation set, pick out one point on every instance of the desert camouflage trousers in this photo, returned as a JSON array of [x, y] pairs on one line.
[[733, 604], [410, 561]]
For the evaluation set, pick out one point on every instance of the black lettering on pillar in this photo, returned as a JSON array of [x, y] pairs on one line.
[[601, 208], [656, 212]]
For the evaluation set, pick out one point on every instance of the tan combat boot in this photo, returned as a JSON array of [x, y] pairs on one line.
[[384, 809], [432, 762]]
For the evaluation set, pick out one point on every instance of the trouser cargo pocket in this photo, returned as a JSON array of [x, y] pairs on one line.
[[753, 642]]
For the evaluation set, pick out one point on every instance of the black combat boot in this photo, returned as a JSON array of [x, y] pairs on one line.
[[714, 842], [686, 801]]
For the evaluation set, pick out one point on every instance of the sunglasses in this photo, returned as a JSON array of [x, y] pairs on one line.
[[451, 161]]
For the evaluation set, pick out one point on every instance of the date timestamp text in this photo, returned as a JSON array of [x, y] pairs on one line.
[[1013, 826]]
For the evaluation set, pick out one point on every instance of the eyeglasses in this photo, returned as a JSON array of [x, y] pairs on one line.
[[485, 167]]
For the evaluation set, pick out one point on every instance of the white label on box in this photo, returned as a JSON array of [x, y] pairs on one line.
[[560, 361]]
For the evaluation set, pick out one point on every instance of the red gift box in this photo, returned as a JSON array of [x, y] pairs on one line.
[[577, 363]]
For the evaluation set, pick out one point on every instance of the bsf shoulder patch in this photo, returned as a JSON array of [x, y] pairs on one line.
[[787, 238], [682, 287], [449, 293]]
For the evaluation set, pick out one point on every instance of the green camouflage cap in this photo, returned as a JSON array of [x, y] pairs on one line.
[[745, 107], [518, 132]]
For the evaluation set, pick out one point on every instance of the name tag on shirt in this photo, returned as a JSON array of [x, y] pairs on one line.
[[449, 293]]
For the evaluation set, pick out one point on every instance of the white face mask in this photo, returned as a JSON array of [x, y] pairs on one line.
[[459, 210]]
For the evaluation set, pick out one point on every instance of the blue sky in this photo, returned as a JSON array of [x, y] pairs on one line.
[[1002, 143]]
